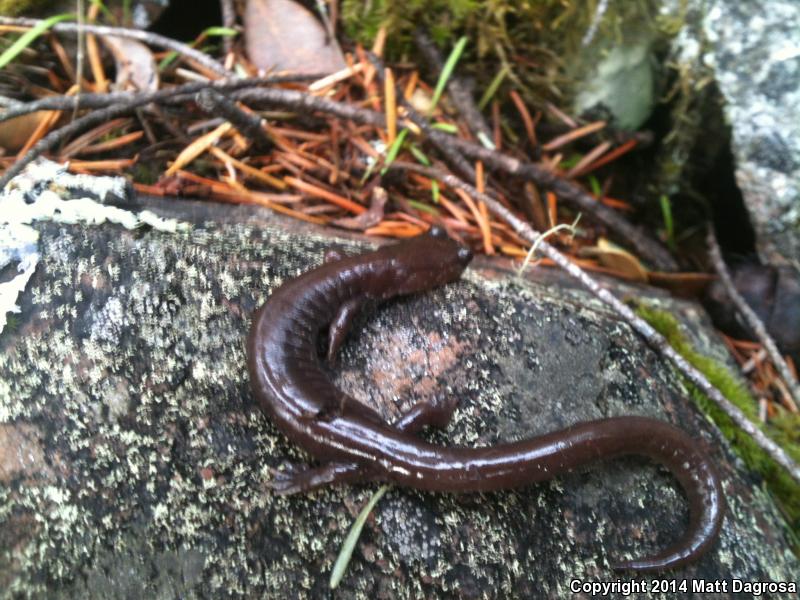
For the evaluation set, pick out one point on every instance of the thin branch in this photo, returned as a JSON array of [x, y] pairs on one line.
[[17, 109], [649, 249], [750, 316], [91, 119], [249, 125], [228, 11], [651, 336], [452, 146], [302, 102], [152, 39]]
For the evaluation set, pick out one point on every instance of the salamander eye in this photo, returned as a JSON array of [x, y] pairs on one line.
[[436, 232], [464, 255]]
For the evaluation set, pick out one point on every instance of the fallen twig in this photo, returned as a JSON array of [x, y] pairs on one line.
[[651, 336], [571, 193], [228, 11], [248, 124], [146, 37], [124, 104], [750, 316], [17, 109]]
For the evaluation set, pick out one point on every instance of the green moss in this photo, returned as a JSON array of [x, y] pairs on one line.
[[783, 429], [13, 8], [539, 42]]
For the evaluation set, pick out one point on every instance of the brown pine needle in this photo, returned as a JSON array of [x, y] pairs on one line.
[[321, 85], [63, 57], [391, 105], [573, 135], [84, 140], [324, 194], [115, 144], [611, 156], [552, 204], [96, 64], [483, 223], [101, 83], [587, 160], [242, 195], [380, 41], [248, 170], [497, 131], [454, 210], [411, 85], [197, 147], [398, 229], [480, 185], [616, 203], [526, 117], [294, 159], [562, 116], [91, 166], [41, 130]]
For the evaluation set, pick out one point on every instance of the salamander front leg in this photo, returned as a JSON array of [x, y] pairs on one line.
[[436, 413], [341, 324]]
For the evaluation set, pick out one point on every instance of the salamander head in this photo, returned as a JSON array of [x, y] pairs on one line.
[[423, 262]]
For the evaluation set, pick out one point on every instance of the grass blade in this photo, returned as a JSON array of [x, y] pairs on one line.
[[27, 38], [447, 71], [394, 150], [352, 537], [669, 224]]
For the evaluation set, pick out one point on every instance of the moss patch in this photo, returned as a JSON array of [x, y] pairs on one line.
[[549, 34], [784, 429]]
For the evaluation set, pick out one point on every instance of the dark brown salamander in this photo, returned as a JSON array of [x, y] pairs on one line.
[[356, 443]]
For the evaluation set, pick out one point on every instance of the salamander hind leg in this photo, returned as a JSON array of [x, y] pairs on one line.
[[313, 478], [435, 413]]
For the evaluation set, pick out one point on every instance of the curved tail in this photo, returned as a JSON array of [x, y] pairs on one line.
[[545, 457]]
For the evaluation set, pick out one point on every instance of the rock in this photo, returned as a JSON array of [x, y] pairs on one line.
[[142, 459], [753, 56]]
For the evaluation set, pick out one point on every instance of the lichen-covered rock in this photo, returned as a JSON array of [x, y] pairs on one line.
[[753, 57], [133, 461]]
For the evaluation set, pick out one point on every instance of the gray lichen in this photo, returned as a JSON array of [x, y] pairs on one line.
[[126, 376]]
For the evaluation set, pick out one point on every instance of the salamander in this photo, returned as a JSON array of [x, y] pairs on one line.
[[354, 443]]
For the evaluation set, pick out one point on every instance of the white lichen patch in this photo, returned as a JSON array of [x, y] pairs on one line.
[[45, 191], [165, 458]]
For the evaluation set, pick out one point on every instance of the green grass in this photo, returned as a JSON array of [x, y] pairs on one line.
[[27, 38]]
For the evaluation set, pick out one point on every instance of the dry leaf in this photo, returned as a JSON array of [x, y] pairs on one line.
[[685, 285], [612, 256], [136, 67], [282, 35], [14, 133]]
